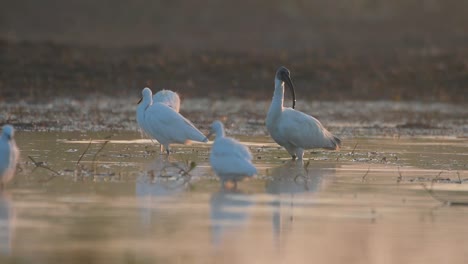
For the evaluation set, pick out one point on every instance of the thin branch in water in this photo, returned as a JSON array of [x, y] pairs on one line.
[[40, 164], [435, 178], [435, 197], [400, 176], [84, 152], [365, 175], [99, 150], [182, 172], [96, 155], [432, 194], [459, 179], [48, 179], [306, 166], [352, 152]]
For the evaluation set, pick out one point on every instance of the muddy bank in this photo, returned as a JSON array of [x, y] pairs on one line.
[[43, 70], [245, 117]]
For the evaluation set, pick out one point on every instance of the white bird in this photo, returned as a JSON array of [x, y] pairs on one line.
[[164, 124], [229, 158], [9, 155], [294, 130], [168, 98]]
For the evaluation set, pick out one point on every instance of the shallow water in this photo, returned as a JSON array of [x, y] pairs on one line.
[[244, 117], [124, 203]]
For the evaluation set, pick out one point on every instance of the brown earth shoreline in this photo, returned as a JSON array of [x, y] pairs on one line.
[[39, 71]]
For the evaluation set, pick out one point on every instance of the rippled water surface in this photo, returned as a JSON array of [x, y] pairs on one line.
[[378, 200]]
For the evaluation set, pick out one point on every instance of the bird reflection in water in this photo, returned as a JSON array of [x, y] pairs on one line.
[[228, 213], [295, 178], [7, 223], [161, 179]]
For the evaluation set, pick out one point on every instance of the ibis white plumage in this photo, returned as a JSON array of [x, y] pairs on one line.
[[292, 129], [9, 154], [164, 124], [230, 160]]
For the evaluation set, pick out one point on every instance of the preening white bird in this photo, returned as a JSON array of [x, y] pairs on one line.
[[230, 160], [292, 129], [164, 124], [168, 98], [9, 155]]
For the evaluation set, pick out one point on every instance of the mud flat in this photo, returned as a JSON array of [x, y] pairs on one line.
[[245, 117]]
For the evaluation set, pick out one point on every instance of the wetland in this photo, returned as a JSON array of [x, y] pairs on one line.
[[110, 197]]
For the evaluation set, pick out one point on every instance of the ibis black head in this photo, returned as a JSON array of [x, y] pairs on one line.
[[284, 75]]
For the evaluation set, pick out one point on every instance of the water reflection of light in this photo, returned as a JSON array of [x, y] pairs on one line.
[[161, 178], [292, 179], [7, 223], [228, 213]]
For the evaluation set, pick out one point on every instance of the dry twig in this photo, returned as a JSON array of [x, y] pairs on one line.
[[365, 175], [352, 152], [41, 164], [400, 176], [84, 152]]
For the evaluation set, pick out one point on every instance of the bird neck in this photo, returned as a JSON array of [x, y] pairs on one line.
[[147, 101], [220, 133], [278, 96], [5, 137]]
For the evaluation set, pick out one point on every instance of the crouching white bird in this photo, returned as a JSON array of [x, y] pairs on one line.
[[294, 130], [164, 124], [9, 155], [230, 160], [168, 98]]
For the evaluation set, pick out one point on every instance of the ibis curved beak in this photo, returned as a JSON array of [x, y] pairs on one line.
[[139, 101], [291, 87]]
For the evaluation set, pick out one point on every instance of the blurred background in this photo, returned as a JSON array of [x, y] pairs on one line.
[[335, 49]]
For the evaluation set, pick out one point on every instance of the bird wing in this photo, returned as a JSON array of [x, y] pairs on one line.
[[164, 122], [169, 98], [228, 156], [235, 148], [302, 130]]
